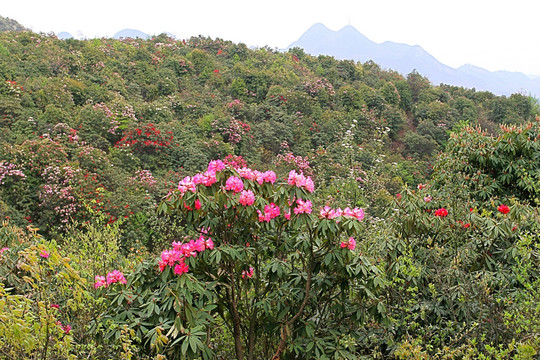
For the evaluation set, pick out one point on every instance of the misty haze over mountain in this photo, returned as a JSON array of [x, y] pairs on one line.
[[348, 43]]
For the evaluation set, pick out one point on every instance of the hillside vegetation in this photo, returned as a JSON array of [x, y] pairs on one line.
[[434, 255]]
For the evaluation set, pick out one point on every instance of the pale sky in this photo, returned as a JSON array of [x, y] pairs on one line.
[[493, 34]]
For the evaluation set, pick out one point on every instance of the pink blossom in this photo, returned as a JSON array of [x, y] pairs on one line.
[[44, 254], [427, 198], [350, 244], [299, 180], [247, 273], [187, 184], [258, 177], [246, 173], [287, 215], [269, 176], [358, 213], [209, 244], [272, 210], [216, 165], [3, 249], [99, 282], [197, 204], [114, 277], [181, 268], [56, 306], [234, 183], [66, 328], [303, 207], [247, 198], [325, 212]]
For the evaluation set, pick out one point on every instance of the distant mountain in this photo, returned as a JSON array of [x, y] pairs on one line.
[[349, 43], [7, 24], [64, 35], [131, 33]]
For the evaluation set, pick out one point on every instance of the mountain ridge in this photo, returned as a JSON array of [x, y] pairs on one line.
[[349, 43]]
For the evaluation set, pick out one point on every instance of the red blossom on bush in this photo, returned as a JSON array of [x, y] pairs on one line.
[[442, 212], [503, 209]]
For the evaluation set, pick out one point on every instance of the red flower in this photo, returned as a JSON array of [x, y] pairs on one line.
[[442, 212], [504, 209]]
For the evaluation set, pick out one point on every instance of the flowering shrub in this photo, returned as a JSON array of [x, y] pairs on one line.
[[146, 139], [250, 220]]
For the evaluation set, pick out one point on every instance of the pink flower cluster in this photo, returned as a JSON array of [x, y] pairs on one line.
[[247, 198], [349, 244], [247, 273], [303, 207], [299, 180], [329, 213], [271, 211], [44, 254], [235, 184], [208, 178], [66, 328], [216, 166], [259, 177], [176, 257], [8, 169], [114, 276], [187, 184]]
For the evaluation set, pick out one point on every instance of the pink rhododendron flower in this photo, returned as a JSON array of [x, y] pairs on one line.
[[303, 207], [44, 254], [209, 244], [99, 282], [234, 183], [187, 184], [299, 180], [358, 213], [269, 176], [247, 273], [181, 268], [350, 244], [3, 250], [258, 177], [246, 173], [207, 179], [175, 258], [427, 198], [114, 277], [272, 210], [216, 165], [309, 185], [325, 212], [287, 215], [197, 204], [247, 198], [261, 216]]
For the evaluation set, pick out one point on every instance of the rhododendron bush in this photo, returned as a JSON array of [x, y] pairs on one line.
[[260, 257]]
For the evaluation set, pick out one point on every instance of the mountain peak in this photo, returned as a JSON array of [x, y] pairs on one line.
[[348, 43]]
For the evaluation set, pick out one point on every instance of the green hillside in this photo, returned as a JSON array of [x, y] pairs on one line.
[[95, 136]]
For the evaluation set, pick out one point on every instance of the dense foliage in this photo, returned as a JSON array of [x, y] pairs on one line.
[[105, 148]]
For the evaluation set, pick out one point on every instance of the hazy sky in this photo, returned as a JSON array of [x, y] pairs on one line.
[[493, 34]]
